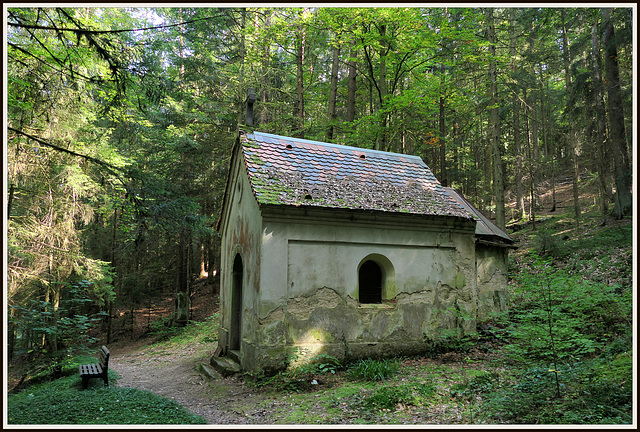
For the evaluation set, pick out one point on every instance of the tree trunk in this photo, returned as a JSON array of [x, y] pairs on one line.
[[520, 210], [203, 259], [351, 86], [494, 124], [600, 118], [617, 134], [264, 95], [333, 92], [299, 111], [571, 135], [240, 96], [529, 163], [382, 88], [442, 131]]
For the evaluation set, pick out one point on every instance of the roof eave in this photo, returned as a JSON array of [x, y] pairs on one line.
[[272, 209], [225, 197]]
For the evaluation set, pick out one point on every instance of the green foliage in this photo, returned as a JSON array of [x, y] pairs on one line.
[[194, 332], [553, 307], [66, 325], [373, 369], [569, 338], [299, 371], [592, 393], [449, 341], [549, 244], [389, 397], [481, 382], [63, 402]]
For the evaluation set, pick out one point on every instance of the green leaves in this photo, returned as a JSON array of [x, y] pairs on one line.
[[61, 402], [572, 310]]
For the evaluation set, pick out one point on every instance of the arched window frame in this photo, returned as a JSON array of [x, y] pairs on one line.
[[388, 277]]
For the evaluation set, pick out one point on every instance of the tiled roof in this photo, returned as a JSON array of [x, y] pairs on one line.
[[292, 171]]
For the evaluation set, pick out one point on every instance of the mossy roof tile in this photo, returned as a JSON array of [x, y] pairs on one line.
[[287, 171]]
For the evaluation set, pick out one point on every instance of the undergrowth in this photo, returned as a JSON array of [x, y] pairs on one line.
[[63, 402], [569, 356], [562, 354], [194, 332]]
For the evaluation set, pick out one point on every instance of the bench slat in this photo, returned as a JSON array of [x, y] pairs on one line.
[[91, 369], [96, 370]]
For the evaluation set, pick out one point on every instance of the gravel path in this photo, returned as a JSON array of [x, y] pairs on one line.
[[174, 375]]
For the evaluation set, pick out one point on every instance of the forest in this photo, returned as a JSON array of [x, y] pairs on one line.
[[121, 121]]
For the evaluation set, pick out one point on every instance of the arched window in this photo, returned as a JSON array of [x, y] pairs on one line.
[[370, 282]]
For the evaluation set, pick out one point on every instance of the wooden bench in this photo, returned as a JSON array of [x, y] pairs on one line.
[[96, 370]]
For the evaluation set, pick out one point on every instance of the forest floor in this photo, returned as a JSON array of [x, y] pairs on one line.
[[143, 360], [170, 369], [146, 357]]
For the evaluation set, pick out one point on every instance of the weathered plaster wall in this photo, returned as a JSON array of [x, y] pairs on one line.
[[309, 285], [241, 234], [492, 273]]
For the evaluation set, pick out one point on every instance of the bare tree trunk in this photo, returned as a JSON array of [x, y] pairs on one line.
[[517, 139], [529, 162], [494, 124], [264, 93], [300, 52], [333, 92], [600, 117], [617, 133], [442, 131], [240, 95], [571, 136], [383, 90], [351, 86], [203, 259]]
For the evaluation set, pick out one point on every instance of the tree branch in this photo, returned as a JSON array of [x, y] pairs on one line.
[[85, 31], [108, 166]]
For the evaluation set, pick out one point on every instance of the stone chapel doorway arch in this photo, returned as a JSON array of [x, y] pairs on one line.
[[235, 330]]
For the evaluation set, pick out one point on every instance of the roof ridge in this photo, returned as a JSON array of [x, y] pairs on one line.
[[342, 146]]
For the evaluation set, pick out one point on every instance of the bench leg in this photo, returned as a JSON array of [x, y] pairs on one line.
[[85, 382], [106, 381]]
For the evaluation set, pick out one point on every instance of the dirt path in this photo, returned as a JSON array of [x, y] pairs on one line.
[[173, 374]]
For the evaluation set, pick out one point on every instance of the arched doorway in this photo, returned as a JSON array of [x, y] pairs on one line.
[[370, 282], [235, 330]]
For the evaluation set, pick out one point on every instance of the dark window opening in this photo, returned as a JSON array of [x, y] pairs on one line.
[[235, 332], [363, 156], [370, 282]]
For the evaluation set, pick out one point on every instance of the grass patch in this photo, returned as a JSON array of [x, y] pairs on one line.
[[391, 397], [193, 333], [373, 369], [63, 402]]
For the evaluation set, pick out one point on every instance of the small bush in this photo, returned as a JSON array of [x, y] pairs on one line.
[[550, 245], [373, 370]]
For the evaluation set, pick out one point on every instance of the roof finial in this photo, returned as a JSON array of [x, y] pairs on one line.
[[251, 98]]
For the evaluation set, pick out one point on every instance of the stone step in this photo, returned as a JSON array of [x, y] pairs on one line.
[[208, 371], [235, 355], [225, 366]]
